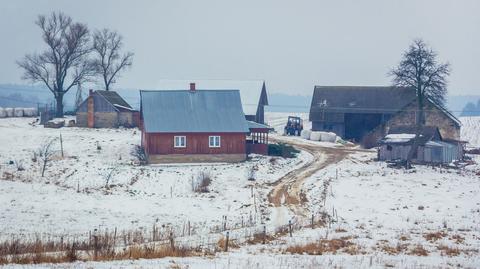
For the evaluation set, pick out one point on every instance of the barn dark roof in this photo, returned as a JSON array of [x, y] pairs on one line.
[[193, 111], [114, 98], [359, 99]]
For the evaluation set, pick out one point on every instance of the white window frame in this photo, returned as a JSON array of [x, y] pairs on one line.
[[180, 138], [216, 138]]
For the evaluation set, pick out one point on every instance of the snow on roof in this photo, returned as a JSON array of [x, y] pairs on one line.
[[398, 138], [250, 90]]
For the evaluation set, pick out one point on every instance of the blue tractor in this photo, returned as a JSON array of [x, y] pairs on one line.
[[294, 126]]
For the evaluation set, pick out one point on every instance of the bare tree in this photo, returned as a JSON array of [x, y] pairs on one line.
[[45, 153], [419, 69], [108, 60], [64, 63]]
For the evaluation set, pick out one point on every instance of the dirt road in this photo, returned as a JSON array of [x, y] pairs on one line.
[[287, 190]]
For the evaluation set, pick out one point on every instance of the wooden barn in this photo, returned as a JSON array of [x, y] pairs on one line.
[[253, 93], [432, 148], [106, 109], [364, 114], [196, 126]]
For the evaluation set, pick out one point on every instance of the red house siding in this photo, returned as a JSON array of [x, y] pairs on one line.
[[162, 144]]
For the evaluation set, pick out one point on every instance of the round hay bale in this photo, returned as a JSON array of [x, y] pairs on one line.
[[305, 134], [315, 136], [3, 114], [9, 111], [18, 112], [328, 137]]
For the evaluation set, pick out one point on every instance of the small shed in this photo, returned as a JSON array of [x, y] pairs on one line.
[[257, 139], [397, 143], [106, 109]]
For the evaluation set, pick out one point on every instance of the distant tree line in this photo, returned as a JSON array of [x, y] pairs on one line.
[[471, 109], [74, 56]]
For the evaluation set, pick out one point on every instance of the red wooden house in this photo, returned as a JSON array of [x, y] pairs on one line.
[[196, 126]]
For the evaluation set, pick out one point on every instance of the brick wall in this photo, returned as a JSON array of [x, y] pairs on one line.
[[106, 119], [82, 119]]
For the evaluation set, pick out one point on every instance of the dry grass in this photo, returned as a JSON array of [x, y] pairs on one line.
[[222, 242], [394, 250], [448, 251], [419, 250], [457, 238], [340, 230], [325, 246], [434, 236], [259, 238]]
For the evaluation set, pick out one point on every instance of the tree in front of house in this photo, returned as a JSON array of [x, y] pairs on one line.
[[64, 63], [471, 109], [419, 69], [108, 60]]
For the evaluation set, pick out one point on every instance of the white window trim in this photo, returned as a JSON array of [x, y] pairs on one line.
[[219, 141], [175, 141]]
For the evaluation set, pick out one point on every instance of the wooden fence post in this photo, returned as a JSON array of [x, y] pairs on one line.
[[172, 245], [61, 144], [264, 233], [114, 237], [290, 227], [95, 245], [226, 242]]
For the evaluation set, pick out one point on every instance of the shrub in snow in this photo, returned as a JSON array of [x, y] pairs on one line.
[[251, 173], [201, 181], [282, 150], [138, 152]]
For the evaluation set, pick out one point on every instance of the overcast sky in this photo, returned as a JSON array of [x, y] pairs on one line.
[[293, 45]]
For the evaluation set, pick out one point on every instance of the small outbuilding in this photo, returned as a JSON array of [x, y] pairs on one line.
[[396, 145], [106, 109]]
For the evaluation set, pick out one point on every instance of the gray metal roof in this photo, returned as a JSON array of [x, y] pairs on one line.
[[193, 111], [250, 90], [114, 98], [256, 125]]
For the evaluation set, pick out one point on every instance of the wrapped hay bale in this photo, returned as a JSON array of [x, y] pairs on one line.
[[30, 112], [18, 112], [305, 134], [9, 111], [328, 137], [315, 136], [3, 114]]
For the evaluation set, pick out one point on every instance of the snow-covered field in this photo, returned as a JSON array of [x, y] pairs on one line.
[[471, 130], [72, 197], [388, 214]]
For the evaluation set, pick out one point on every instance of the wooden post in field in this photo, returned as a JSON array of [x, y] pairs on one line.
[[290, 227], [264, 233], [226, 242], [225, 224], [114, 237], [154, 233], [189, 228], [61, 144], [172, 244], [95, 245]]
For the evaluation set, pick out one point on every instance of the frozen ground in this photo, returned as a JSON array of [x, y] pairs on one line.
[[387, 213], [73, 198]]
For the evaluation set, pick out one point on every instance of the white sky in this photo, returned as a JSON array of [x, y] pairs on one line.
[[293, 45]]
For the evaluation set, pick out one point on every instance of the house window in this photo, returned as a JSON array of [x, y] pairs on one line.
[[389, 148], [214, 141], [180, 142]]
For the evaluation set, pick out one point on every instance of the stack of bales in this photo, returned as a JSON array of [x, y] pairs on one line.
[[9, 112], [305, 134], [323, 136]]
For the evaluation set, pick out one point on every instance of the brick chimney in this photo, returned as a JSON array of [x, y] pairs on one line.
[[90, 110], [192, 86]]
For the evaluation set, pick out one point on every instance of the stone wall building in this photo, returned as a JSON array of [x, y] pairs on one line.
[[365, 114], [106, 109]]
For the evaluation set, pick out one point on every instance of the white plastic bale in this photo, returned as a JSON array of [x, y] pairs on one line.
[[328, 137], [3, 114], [18, 112], [315, 136], [305, 134], [9, 111], [30, 112]]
